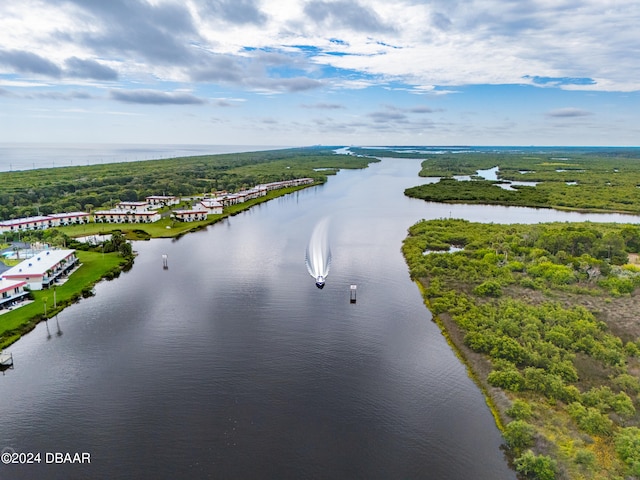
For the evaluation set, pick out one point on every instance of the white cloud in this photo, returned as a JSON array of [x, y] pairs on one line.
[[217, 53], [439, 43]]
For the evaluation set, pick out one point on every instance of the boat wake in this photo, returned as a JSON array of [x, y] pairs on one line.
[[318, 256]]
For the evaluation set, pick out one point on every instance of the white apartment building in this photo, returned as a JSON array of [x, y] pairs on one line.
[[41, 270]]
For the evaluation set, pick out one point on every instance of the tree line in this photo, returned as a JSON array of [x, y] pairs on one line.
[[518, 294], [84, 188], [582, 181]]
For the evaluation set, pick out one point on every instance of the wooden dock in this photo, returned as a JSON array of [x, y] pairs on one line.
[[6, 359]]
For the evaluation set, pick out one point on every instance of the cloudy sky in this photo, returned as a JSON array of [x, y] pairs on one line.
[[333, 72]]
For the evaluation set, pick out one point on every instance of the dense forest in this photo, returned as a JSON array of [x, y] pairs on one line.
[[546, 317], [580, 180], [85, 188]]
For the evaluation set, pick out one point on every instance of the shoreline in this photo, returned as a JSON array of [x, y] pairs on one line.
[[93, 269], [559, 208], [474, 363], [521, 335], [29, 319]]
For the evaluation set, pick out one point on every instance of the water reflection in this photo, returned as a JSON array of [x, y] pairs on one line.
[[208, 370]]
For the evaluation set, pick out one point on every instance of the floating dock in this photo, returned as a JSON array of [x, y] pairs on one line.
[[6, 359]]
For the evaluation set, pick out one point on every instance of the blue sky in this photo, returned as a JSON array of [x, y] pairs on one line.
[[339, 72]]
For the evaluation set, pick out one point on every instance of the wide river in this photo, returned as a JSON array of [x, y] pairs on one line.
[[231, 364]]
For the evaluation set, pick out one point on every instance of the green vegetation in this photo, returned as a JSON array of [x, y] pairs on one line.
[[449, 190], [94, 267], [86, 188], [75, 188], [574, 180], [546, 316], [164, 228]]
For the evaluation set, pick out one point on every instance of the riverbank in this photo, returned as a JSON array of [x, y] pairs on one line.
[[47, 304], [237, 316], [96, 187], [478, 367], [96, 266], [544, 318], [170, 228]]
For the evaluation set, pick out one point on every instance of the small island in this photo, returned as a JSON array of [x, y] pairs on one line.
[[581, 180]]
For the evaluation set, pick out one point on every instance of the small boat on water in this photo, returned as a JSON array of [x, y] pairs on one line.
[[6, 359]]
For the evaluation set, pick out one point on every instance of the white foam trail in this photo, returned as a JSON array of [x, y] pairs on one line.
[[318, 257]]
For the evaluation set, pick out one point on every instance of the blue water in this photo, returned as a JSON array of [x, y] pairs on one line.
[[29, 156]]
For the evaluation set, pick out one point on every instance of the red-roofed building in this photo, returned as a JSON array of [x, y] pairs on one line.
[[11, 291]]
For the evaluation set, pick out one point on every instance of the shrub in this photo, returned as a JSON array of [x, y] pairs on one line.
[[559, 336], [566, 370], [628, 383], [490, 288], [632, 349], [527, 282], [550, 385], [623, 405], [556, 274], [585, 457], [518, 435], [87, 292], [480, 341], [520, 410], [617, 286], [628, 448], [516, 266], [590, 420], [510, 380], [531, 465], [508, 349]]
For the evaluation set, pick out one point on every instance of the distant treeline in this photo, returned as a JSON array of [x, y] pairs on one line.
[[84, 188]]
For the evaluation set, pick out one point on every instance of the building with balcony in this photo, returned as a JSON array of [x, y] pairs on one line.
[[162, 200], [41, 222], [190, 215], [211, 205], [133, 206], [71, 218], [296, 182], [11, 291], [121, 216], [43, 269]]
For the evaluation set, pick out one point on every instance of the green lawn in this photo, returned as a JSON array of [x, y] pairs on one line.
[[10, 262], [94, 267]]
